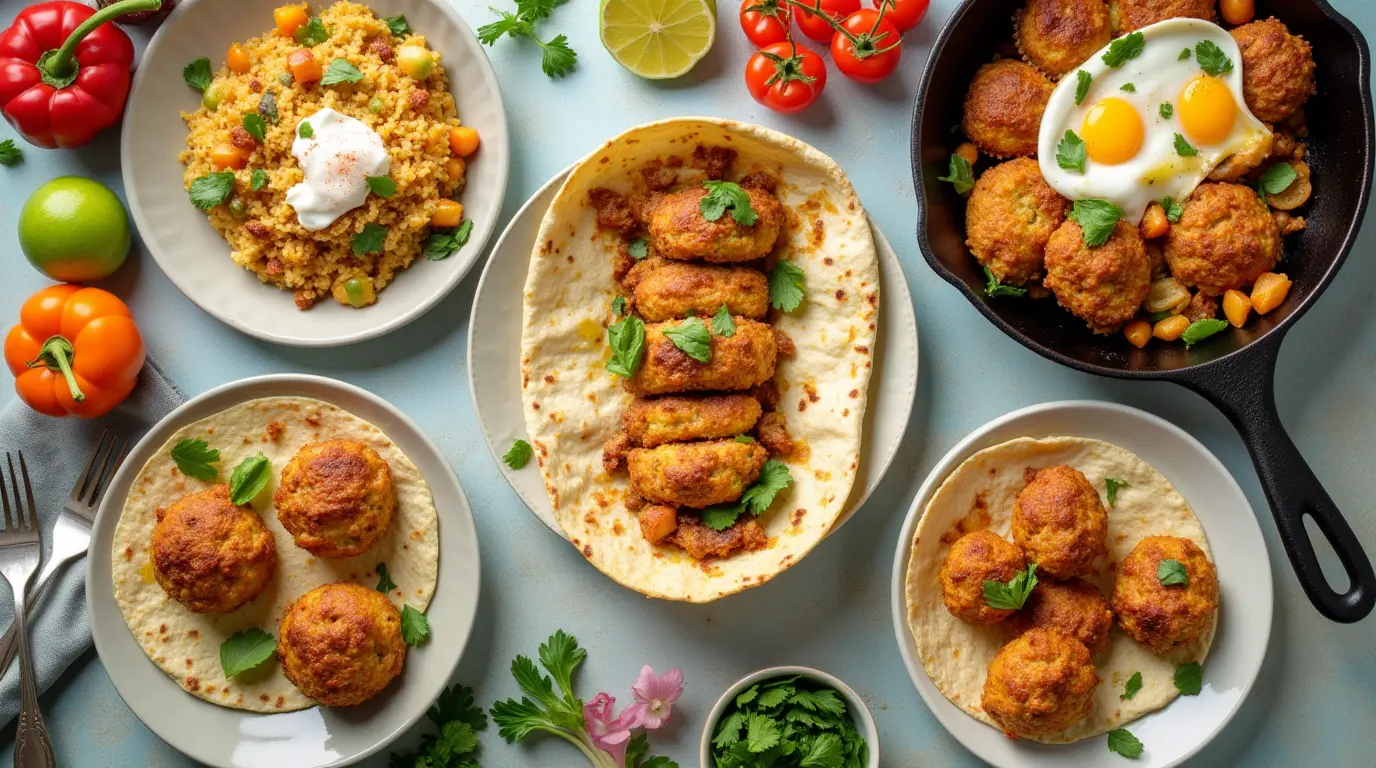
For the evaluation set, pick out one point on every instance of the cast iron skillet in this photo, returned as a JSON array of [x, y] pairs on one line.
[[1235, 369]]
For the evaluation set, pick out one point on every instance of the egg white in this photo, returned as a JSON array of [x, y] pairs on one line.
[[1159, 75]]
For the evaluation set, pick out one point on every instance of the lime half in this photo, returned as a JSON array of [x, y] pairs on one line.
[[658, 39]]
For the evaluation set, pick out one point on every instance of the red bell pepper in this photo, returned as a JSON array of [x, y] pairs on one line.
[[64, 71]]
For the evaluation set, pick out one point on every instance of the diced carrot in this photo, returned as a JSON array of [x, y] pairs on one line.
[[304, 67], [447, 214], [1236, 307], [657, 522], [226, 155], [463, 141], [1154, 223], [237, 59], [968, 151], [1138, 333], [454, 169], [288, 19], [1269, 291], [1170, 328]]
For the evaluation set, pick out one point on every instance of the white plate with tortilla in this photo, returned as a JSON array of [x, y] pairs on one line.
[[257, 719], [494, 366], [1174, 462]]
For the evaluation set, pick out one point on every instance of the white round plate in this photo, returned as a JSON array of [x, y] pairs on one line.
[[195, 257], [1182, 728], [494, 360], [319, 736]]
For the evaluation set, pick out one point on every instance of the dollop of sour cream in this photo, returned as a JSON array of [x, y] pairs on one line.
[[337, 158]]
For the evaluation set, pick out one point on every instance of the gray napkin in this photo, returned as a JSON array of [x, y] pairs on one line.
[[56, 451]]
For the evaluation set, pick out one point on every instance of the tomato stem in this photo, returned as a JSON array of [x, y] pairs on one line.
[[59, 66], [863, 44], [57, 353]]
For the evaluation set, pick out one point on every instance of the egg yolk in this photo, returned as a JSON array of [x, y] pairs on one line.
[[1112, 132], [1207, 110]]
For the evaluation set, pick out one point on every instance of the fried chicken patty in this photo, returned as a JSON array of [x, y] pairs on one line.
[[680, 418], [678, 229], [1040, 683], [1075, 607], [1277, 69], [704, 543], [1225, 239], [1135, 14], [1060, 523], [210, 555], [1103, 285], [973, 559], [341, 643], [676, 290], [695, 474], [336, 498], [1003, 108], [1056, 36], [1009, 217], [738, 362], [1160, 617]]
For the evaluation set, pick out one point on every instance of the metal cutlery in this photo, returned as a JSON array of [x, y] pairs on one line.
[[20, 551]]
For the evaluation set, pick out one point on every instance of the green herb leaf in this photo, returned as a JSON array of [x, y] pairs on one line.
[[518, 454], [1124, 743], [1183, 147], [312, 33], [267, 106], [639, 248], [1201, 330], [1096, 218], [398, 26], [692, 337], [195, 459], [415, 628], [619, 306], [304, 130], [729, 730], [1166, 110], [245, 650], [719, 517], [1128, 87], [1189, 679], [1211, 58], [723, 324], [384, 579], [659, 762], [1184, 54], [556, 57], [442, 245], [960, 175], [211, 189], [627, 340], [370, 239], [1011, 596], [786, 289], [994, 289], [10, 155], [761, 733], [1172, 573], [258, 179], [723, 196], [825, 752], [1070, 153], [382, 186], [1133, 685], [747, 439], [1276, 179], [197, 74], [341, 71], [774, 477], [1082, 83], [1157, 317], [1113, 485], [636, 749], [1173, 209], [255, 125], [1124, 49], [249, 479]]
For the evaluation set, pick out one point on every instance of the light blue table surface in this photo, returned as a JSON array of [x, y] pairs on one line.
[[1315, 703]]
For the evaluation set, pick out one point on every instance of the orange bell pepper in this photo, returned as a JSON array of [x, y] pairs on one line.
[[75, 352]]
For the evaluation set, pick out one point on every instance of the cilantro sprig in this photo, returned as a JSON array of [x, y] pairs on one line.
[[756, 500], [1111, 487], [518, 454], [1071, 153], [195, 458], [1096, 218], [788, 720], [993, 288], [1172, 573], [723, 196], [786, 286], [455, 745], [1211, 58], [1013, 595], [1124, 49], [723, 324], [1082, 82], [415, 628], [10, 155], [442, 245], [211, 189], [384, 579], [197, 74], [960, 175], [1133, 685], [557, 58]]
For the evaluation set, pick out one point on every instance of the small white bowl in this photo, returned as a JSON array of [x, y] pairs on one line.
[[864, 721]]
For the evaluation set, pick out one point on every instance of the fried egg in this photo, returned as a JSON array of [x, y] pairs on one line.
[[1155, 125]]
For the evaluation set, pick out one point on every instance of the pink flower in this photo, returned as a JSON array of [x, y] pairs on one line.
[[609, 733], [654, 697]]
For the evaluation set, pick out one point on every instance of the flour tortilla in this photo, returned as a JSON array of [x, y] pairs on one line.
[[186, 645], [979, 495], [572, 404]]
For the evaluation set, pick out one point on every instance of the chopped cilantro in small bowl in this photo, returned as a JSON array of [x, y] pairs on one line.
[[798, 711]]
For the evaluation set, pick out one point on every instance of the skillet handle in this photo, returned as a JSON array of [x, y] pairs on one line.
[[1245, 392]]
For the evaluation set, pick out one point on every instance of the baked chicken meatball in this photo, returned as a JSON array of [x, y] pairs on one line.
[[702, 542], [973, 559], [676, 290], [1135, 14], [680, 418], [1003, 108], [1056, 36], [1009, 217], [1226, 238], [738, 362], [1060, 523], [678, 229], [1040, 683], [210, 555], [1102, 285], [1162, 618], [336, 498], [1277, 69], [1075, 607], [695, 474], [341, 643]]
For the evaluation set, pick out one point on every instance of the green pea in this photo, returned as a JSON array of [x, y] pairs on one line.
[[359, 292], [214, 94], [376, 105], [285, 78], [237, 209]]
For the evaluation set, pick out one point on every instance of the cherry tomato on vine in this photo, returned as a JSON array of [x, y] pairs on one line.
[[905, 14], [785, 77], [765, 22], [815, 26], [875, 51]]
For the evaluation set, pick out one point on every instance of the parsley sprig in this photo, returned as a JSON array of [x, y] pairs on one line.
[[195, 458], [756, 500], [993, 288], [557, 58], [1011, 596], [10, 155], [788, 721], [458, 721], [723, 196]]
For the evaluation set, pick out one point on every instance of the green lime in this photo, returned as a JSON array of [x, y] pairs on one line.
[[74, 230], [658, 39]]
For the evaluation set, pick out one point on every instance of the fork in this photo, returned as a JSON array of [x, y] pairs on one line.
[[72, 532], [20, 552]]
